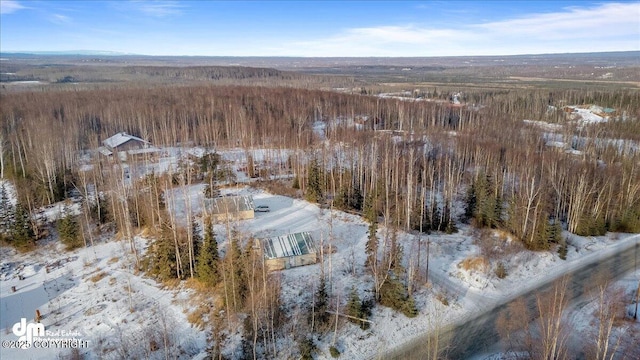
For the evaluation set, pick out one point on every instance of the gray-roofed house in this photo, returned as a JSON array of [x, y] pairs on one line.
[[126, 145], [287, 251], [230, 207]]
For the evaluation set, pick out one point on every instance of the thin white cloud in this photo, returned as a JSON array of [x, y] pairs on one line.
[[382, 41], [10, 6], [158, 8], [403, 34], [606, 27], [612, 19], [60, 19]]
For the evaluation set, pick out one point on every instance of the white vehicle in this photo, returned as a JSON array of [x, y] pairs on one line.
[[262, 208]]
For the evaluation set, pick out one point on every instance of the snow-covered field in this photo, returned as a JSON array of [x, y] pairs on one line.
[[95, 292]]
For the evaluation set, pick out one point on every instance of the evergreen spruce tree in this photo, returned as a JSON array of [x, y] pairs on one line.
[[69, 231], [410, 309], [471, 202], [207, 263], [209, 170], [555, 232], [395, 256], [394, 295], [21, 232], [353, 305], [434, 216], [314, 183], [591, 224], [296, 182], [628, 221], [355, 198], [236, 278], [7, 212], [369, 207], [482, 204], [348, 197], [196, 238], [486, 207], [321, 305], [371, 248], [562, 250], [341, 199], [356, 308], [511, 222], [481, 195], [496, 220], [449, 225], [160, 260], [393, 292], [209, 163], [541, 235]]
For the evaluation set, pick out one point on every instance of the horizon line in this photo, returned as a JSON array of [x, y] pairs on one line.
[[122, 54]]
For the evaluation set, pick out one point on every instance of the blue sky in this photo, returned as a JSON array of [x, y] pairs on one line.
[[320, 28]]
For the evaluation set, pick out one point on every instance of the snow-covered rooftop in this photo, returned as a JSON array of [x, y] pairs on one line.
[[121, 138], [104, 151]]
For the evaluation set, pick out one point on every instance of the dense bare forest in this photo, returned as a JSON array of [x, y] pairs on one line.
[[420, 148], [427, 160]]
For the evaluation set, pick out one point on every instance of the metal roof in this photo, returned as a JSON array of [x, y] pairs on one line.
[[121, 138], [229, 204], [104, 151], [288, 245]]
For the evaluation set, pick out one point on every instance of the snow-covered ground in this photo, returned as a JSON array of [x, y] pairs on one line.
[[9, 192], [588, 117], [94, 296], [88, 290]]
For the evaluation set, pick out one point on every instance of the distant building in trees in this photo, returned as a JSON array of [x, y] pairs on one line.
[[230, 207], [288, 251], [126, 145]]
